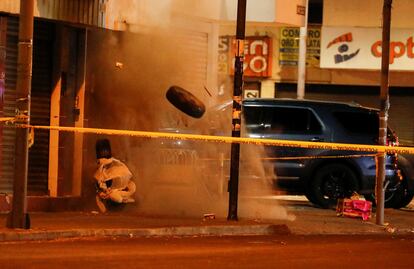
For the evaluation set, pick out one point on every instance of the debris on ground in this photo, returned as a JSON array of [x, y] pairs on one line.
[[388, 228], [209, 216], [119, 65]]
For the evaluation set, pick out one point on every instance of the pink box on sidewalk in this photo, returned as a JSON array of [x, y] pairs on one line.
[[354, 208], [362, 205]]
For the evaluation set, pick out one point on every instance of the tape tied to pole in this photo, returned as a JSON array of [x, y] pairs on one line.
[[226, 139]]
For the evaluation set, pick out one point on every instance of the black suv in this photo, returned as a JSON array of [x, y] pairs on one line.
[[326, 175]]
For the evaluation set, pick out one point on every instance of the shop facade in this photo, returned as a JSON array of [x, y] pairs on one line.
[[54, 72], [343, 58], [61, 163]]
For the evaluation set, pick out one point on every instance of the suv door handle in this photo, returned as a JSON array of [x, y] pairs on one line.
[[316, 139]]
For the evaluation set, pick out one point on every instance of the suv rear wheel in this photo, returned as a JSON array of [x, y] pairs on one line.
[[397, 196], [331, 182], [406, 194]]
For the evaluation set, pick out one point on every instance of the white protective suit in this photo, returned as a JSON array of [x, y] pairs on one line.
[[114, 179]]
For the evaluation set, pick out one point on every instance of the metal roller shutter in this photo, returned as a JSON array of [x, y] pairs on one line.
[[6, 183], [40, 105], [3, 34], [195, 48]]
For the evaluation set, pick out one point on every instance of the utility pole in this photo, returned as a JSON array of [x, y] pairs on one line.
[[18, 217], [237, 102], [384, 106], [303, 33]]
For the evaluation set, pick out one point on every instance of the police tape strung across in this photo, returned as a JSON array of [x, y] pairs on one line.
[[226, 139]]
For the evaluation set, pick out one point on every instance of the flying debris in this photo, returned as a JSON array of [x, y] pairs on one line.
[[185, 101]]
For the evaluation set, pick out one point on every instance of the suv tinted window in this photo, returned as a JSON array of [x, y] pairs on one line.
[[254, 117], [282, 120], [358, 122], [294, 120]]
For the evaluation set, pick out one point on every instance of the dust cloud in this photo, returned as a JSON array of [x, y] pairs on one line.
[[129, 74]]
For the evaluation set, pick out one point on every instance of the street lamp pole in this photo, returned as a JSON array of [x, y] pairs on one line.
[[303, 33], [18, 217], [384, 106], [236, 118]]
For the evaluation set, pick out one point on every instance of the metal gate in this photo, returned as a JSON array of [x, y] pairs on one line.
[[40, 105], [195, 50]]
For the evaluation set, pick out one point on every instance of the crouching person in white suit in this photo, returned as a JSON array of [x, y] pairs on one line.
[[113, 178]]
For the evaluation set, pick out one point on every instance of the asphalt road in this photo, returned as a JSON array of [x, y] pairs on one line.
[[374, 251]]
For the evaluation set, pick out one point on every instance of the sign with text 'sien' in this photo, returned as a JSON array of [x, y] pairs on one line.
[[257, 56], [289, 46]]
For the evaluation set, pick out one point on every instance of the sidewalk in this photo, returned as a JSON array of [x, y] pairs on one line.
[[308, 221]]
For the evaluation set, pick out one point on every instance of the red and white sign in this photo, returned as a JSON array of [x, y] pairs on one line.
[[361, 48], [257, 56]]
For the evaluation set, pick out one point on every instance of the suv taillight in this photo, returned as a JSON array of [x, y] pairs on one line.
[[392, 143], [392, 139]]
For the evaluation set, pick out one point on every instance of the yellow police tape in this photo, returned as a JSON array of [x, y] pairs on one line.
[[304, 157], [7, 120], [226, 139]]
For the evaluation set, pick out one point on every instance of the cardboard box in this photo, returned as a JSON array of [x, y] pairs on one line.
[[356, 208]]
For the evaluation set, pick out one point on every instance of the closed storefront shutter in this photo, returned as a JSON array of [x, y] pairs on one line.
[[401, 115], [40, 105], [6, 183], [401, 103], [194, 47]]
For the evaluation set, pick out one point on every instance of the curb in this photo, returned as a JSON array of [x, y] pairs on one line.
[[33, 235]]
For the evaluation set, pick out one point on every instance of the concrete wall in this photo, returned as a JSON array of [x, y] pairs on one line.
[[135, 15], [88, 12], [366, 13], [269, 12], [129, 13]]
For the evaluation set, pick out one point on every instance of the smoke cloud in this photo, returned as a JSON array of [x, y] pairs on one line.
[[129, 74]]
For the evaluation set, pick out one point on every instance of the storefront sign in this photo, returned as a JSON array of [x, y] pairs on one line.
[[289, 46], [257, 56], [251, 89], [223, 55], [251, 94], [361, 48]]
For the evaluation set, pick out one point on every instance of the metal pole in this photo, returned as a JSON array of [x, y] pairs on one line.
[[236, 118], [18, 217], [303, 33], [384, 106]]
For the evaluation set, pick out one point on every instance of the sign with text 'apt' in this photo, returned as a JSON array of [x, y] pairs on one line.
[[361, 48]]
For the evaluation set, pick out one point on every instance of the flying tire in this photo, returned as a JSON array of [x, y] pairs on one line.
[[185, 102]]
